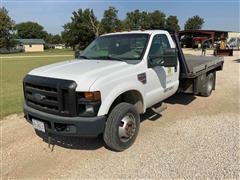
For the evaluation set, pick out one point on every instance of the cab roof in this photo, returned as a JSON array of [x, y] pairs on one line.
[[138, 32]]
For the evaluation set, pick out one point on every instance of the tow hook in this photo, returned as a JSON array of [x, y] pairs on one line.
[[49, 142]]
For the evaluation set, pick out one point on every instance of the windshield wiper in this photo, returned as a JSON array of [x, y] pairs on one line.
[[110, 58]]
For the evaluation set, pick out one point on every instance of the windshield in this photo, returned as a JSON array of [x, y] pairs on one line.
[[117, 47]]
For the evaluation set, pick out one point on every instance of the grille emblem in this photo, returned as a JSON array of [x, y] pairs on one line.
[[39, 97]]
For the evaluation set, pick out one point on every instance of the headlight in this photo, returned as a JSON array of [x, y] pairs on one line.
[[88, 103]]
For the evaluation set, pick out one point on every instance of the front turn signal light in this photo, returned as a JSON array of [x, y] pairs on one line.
[[92, 96]]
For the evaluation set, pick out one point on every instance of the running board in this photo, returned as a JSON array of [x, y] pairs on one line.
[[159, 108]]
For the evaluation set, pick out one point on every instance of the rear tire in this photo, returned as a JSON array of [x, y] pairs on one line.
[[208, 86], [122, 127]]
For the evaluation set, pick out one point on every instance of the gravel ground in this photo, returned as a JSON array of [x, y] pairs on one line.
[[195, 137]]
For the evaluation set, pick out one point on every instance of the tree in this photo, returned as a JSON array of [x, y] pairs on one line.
[[30, 30], [137, 20], [92, 22], [110, 21], [82, 29], [56, 39], [172, 23], [194, 22], [6, 29], [157, 20], [53, 39]]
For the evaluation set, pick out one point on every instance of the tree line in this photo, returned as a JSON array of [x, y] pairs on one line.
[[84, 26]]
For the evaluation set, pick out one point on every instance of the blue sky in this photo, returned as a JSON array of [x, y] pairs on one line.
[[53, 14]]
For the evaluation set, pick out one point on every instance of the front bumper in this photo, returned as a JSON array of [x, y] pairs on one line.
[[67, 126]]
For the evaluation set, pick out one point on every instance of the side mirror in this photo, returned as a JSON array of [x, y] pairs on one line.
[[77, 54], [168, 58]]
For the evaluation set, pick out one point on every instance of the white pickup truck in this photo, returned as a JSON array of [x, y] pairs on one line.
[[116, 78]]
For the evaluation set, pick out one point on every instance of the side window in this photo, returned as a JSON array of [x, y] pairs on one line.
[[159, 43]]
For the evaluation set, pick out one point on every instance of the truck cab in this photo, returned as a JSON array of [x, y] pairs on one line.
[[116, 78]]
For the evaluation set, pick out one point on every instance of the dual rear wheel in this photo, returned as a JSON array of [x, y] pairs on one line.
[[208, 86]]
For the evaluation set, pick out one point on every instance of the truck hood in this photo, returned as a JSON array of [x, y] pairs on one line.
[[83, 72]]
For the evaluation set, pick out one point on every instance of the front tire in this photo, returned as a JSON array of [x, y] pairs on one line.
[[122, 127]]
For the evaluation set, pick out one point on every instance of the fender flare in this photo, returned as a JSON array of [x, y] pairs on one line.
[[116, 92]]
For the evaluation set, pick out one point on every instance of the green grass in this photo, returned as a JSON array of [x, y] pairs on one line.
[[46, 52], [12, 72]]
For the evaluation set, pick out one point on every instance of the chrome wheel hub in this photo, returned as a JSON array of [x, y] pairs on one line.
[[127, 128]]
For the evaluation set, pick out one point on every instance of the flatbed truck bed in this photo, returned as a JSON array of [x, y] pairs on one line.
[[195, 69], [196, 64]]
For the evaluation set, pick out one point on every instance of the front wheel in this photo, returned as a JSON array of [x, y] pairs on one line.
[[122, 127]]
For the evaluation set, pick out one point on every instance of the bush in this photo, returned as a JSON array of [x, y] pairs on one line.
[[10, 50]]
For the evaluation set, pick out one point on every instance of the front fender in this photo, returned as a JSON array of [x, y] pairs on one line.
[[109, 97]]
